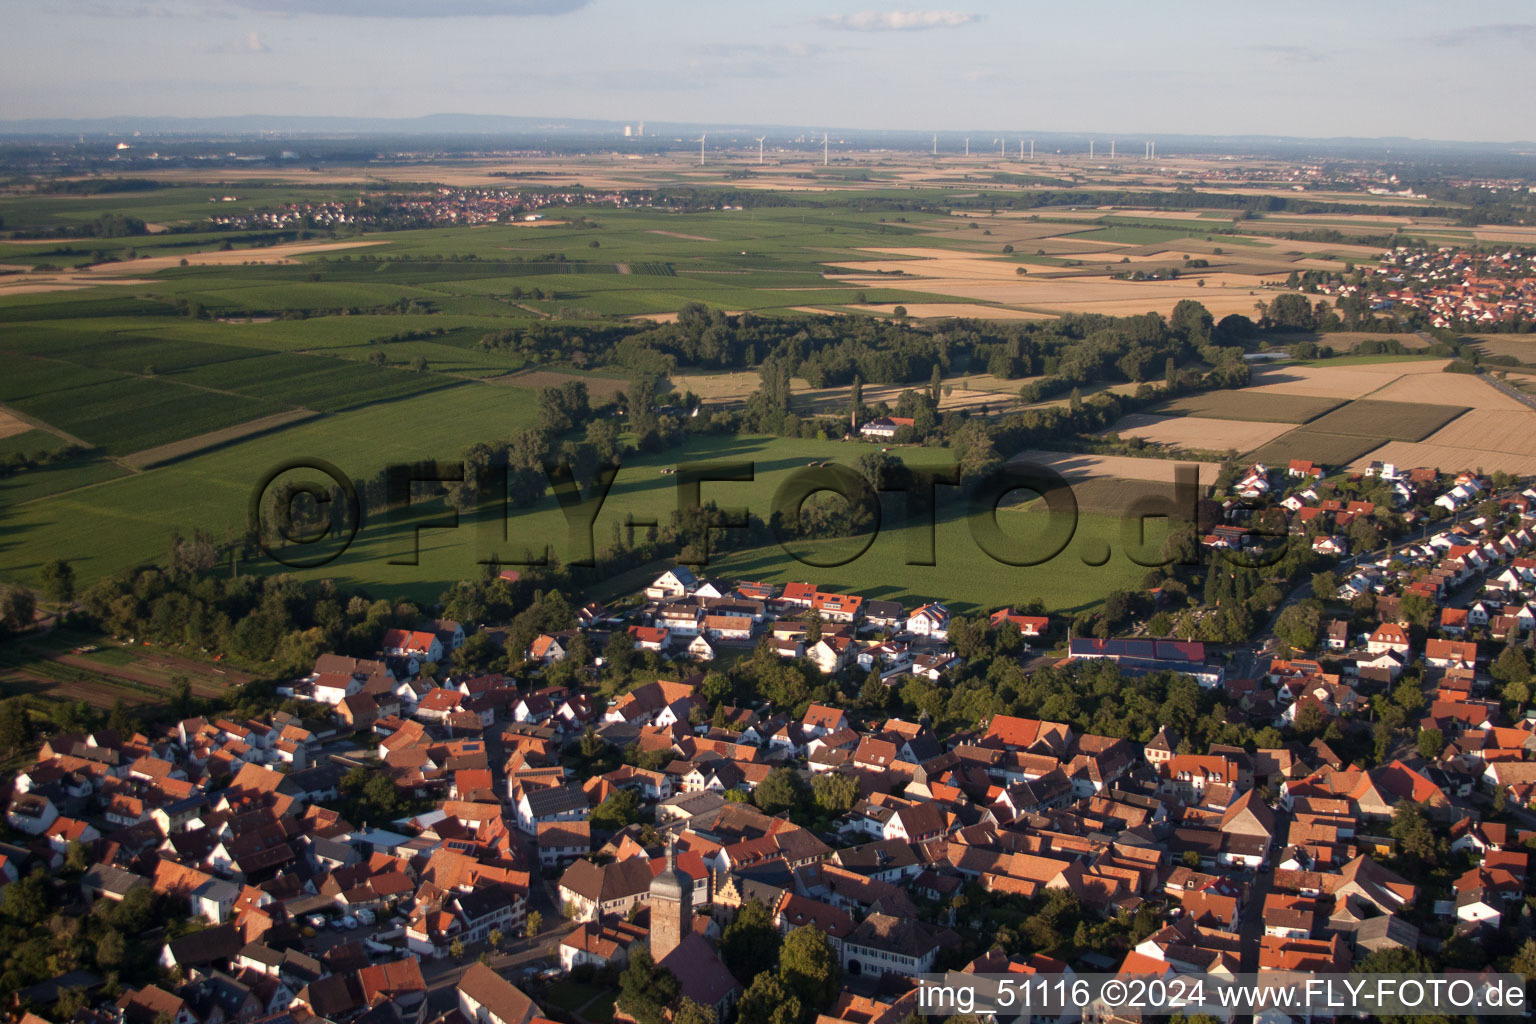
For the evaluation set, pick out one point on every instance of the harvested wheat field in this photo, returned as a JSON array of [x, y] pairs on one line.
[[671, 318], [600, 388], [72, 282], [231, 257], [1447, 389], [1075, 466], [1355, 381], [834, 401], [718, 387], [1448, 458], [1198, 432], [929, 310], [10, 425], [686, 238]]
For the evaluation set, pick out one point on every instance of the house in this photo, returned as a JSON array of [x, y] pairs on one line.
[[1337, 633], [1027, 625], [649, 638], [485, 997], [539, 806], [930, 620], [1388, 637], [884, 944], [885, 428], [1451, 653], [416, 645], [678, 581]]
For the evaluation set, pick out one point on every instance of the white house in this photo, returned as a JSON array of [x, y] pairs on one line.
[[931, 620]]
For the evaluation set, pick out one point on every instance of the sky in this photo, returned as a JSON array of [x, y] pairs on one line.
[[1320, 69]]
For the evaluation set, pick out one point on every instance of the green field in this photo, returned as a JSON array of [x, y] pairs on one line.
[[126, 521]]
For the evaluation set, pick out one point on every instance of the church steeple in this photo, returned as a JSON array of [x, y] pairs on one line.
[[671, 898]]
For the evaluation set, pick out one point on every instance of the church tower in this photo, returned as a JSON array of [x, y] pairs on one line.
[[671, 896]]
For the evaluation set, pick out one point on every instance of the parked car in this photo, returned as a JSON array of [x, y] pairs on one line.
[[317, 920], [349, 923], [365, 916]]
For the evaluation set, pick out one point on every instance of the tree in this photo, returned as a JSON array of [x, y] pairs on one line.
[[809, 967], [495, 938], [836, 793], [58, 578], [17, 609], [779, 791], [77, 859], [15, 726], [769, 1000], [645, 990], [534, 924], [1418, 609], [1415, 837], [750, 944], [419, 364], [690, 1012], [1192, 321], [1431, 743], [456, 949], [1524, 962], [812, 628], [1297, 626], [1511, 666], [620, 809], [110, 949]]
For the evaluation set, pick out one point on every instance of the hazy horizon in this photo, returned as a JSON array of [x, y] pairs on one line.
[[1316, 71]]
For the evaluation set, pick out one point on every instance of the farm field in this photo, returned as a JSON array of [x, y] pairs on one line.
[[1319, 446], [1492, 439], [128, 519], [1197, 431], [52, 666], [194, 368], [1249, 404], [1340, 381], [1397, 421]]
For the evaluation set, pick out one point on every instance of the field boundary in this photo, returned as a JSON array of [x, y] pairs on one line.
[[162, 454]]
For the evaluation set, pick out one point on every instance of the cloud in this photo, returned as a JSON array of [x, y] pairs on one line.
[[415, 8], [250, 42], [897, 21], [1523, 33]]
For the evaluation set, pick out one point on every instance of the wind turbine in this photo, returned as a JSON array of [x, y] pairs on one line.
[[702, 137], [935, 145], [823, 149], [967, 147], [1000, 145], [760, 149]]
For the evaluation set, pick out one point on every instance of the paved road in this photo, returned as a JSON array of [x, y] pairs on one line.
[[1512, 392]]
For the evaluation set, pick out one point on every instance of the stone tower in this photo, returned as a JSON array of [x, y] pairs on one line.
[[671, 896]]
